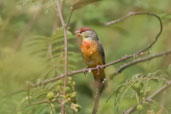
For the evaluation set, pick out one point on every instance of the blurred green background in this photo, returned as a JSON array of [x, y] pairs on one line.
[[31, 50]]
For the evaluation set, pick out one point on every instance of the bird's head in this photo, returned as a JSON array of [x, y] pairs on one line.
[[86, 33]]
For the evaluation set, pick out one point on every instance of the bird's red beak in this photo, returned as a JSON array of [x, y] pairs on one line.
[[77, 32]]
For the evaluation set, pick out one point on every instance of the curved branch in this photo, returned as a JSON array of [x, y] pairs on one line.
[[139, 13]]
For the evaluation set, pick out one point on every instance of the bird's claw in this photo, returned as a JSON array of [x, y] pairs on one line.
[[85, 71]]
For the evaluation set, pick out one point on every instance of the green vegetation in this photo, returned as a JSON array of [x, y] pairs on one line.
[[32, 50]]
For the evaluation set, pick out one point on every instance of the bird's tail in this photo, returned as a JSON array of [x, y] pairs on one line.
[[100, 79]]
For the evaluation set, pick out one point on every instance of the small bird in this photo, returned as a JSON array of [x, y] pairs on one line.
[[93, 54]]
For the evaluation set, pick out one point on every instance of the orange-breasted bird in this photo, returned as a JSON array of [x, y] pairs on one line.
[[93, 53]]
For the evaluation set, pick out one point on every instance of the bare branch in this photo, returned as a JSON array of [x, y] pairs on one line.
[[63, 111], [96, 102], [149, 99], [103, 66], [140, 13], [139, 60], [69, 17], [97, 97]]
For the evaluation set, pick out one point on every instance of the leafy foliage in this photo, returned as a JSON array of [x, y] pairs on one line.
[[48, 98], [41, 55], [140, 87], [51, 50]]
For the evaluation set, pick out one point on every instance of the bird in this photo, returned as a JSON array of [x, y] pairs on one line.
[[93, 54]]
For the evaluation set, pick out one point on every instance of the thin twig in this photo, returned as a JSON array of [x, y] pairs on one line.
[[149, 99], [63, 111], [97, 96], [96, 101], [52, 108], [139, 60], [140, 13], [69, 17]]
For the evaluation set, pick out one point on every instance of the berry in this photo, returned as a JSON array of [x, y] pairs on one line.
[[60, 82], [139, 107], [73, 95], [50, 96], [67, 89]]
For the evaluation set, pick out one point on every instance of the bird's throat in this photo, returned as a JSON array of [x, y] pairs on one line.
[[86, 44], [89, 47]]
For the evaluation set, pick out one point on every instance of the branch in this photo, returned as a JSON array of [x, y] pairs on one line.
[[100, 88], [66, 52], [96, 101], [103, 66], [139, 60], [140, 13], [160, 90], [69, 17]]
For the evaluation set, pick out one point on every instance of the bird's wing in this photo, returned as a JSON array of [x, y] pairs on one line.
[[101, 50]]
